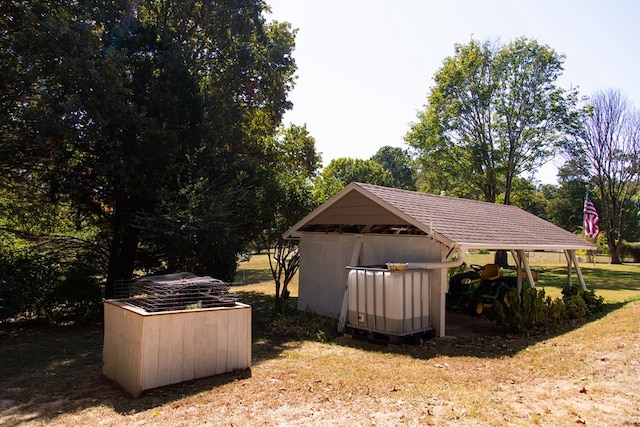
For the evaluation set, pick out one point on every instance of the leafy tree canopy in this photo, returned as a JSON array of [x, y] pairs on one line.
[[287, 198], [150, 120], [401, 165], [342, 171], [494, 113]]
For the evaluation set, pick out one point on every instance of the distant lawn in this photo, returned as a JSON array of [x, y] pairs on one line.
[[255, 276], [615, 283]]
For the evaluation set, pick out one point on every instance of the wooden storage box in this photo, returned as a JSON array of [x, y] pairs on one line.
[[147, 350]]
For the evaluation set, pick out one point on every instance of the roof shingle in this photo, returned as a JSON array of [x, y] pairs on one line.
[[461, 222]]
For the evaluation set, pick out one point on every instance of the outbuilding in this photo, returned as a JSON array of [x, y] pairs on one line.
[[368, 225]]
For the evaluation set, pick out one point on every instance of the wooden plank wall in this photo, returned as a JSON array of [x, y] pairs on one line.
[[144, 351]]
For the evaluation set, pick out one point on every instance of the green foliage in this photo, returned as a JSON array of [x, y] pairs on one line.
[[536, 310], [494, 113], [510, 315], [37, 285], [340, 172], [151, 122], [534, 306], [287, 197], [304, 325], [79, 294], [575, 307], [580, 302], [566, 203], [527, 197], [401, 165]]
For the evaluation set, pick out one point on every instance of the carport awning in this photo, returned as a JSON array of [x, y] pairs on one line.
[[467, 224]]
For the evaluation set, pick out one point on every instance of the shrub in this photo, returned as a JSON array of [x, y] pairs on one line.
[[304, 325], [27, 285], [575, 307], [508, 315], [535, 309], [79, 294], [557, 310], [37, 286], [581, 303]]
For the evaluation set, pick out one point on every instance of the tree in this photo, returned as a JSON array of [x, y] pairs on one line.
[[533, 115], [47, 62], [400, 163], [527, 196], [288, 198], [566, 204], [150, 119], [607, 149], [453, 133], [494, 113], [340, 172]]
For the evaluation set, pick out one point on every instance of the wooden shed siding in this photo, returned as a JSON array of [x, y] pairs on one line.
[[355, 208], [322, 273], [324, 258]]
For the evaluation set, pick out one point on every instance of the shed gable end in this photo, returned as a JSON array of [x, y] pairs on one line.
[[355, 208]]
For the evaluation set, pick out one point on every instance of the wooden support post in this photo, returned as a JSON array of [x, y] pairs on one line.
[[516, 256], [355, 257], [532, 283], [569, 261], [574, 258]]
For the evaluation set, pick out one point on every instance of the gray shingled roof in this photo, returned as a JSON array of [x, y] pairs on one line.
[[464, 223]]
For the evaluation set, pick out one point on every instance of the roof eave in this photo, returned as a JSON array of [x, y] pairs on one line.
[[507, 246]]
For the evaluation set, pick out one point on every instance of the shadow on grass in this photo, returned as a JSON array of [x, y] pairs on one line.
[[47, 371], [58, 370], [478, 338]]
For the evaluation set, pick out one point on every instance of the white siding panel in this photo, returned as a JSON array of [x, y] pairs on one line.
[[324, 258], [323, 272]]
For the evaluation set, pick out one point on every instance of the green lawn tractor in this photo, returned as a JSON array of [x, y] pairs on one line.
[[477, 289]]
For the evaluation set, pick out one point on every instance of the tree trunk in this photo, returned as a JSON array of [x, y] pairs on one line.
[[121, 258], [615, 251], [500, 258]]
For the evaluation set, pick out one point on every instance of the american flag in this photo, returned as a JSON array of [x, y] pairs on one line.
[[591, 219]]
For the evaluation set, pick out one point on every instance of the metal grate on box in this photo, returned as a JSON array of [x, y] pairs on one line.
[[178, 291]]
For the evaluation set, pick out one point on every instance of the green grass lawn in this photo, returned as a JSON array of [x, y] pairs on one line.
[[615, 283], [584, 373]]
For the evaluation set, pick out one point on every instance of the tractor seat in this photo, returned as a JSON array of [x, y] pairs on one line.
[[490, 272]]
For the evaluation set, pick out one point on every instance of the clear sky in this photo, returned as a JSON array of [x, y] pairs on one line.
[[365, 67]]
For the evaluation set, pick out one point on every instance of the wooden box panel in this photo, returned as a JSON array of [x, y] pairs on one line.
[[147, 350]]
